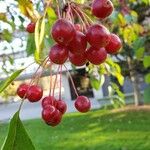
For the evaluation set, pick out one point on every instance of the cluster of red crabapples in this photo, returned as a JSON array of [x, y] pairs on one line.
[[79, 40]]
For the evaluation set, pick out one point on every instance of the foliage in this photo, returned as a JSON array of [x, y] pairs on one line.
[[5, 83], [17, 137], [128, 21]]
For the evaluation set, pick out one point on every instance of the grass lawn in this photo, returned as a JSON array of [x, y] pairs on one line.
[[96, 130]]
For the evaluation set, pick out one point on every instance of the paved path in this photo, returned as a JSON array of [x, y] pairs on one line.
[[30, 110]]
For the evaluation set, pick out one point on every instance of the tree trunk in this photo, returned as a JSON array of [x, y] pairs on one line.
[[135, 83]]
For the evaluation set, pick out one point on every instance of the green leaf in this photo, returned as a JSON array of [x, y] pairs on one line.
[[37, 42], [147, 78], [115, 70], [17, 138], [140, 52], [51, 16], [27, 8], [97, 83], [146, 61], [37, 35], [102, 69], [116, 95], [5, 83], [147, 94], [42, 32], [117, 90], [138, 43], [3, 17], [30, 49], [11, 60], [6, 35]]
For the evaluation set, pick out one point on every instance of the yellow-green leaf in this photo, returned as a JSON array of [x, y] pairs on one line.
[[5, 83], [37, 35], [42, 32]]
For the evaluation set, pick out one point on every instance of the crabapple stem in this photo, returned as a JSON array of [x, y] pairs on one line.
[[55, 80], [84, 26], [40, 73], [31, 82], [68, 14], [50, 89], [85, 15], [82, 15], [75, 90], [58, 9], [34, 75], [60, 82]]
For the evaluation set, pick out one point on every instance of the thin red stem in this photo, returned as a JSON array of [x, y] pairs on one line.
[[85, 16], [35, 74], [60, 82], [31, 82], [68, 14], [75, 90], [58, 9], [84, 26], [50, 88], [43, 69], [55, 81]]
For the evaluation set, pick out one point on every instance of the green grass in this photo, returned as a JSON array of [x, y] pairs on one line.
[[96, 130]]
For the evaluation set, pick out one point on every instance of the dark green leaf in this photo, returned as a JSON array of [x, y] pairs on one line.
[[11, 60], [30, 45], [17, 138], [5, 83], [138, 43]]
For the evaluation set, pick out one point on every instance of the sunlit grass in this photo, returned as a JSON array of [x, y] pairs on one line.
[[96, 130]]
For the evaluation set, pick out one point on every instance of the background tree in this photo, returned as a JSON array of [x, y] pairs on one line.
[[130, 20]]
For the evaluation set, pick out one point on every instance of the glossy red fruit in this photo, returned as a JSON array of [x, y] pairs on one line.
[[77, 60], [34, 93], [102, 8], [78, 44], [82, 104], [22, 90], [31, 27], [51, 115], [58, 54], [48, 113], [98, 36], [61, 106], [96, 56], [114, 45], [49, 100], [78, 27], [63, 31], [56, 119]]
